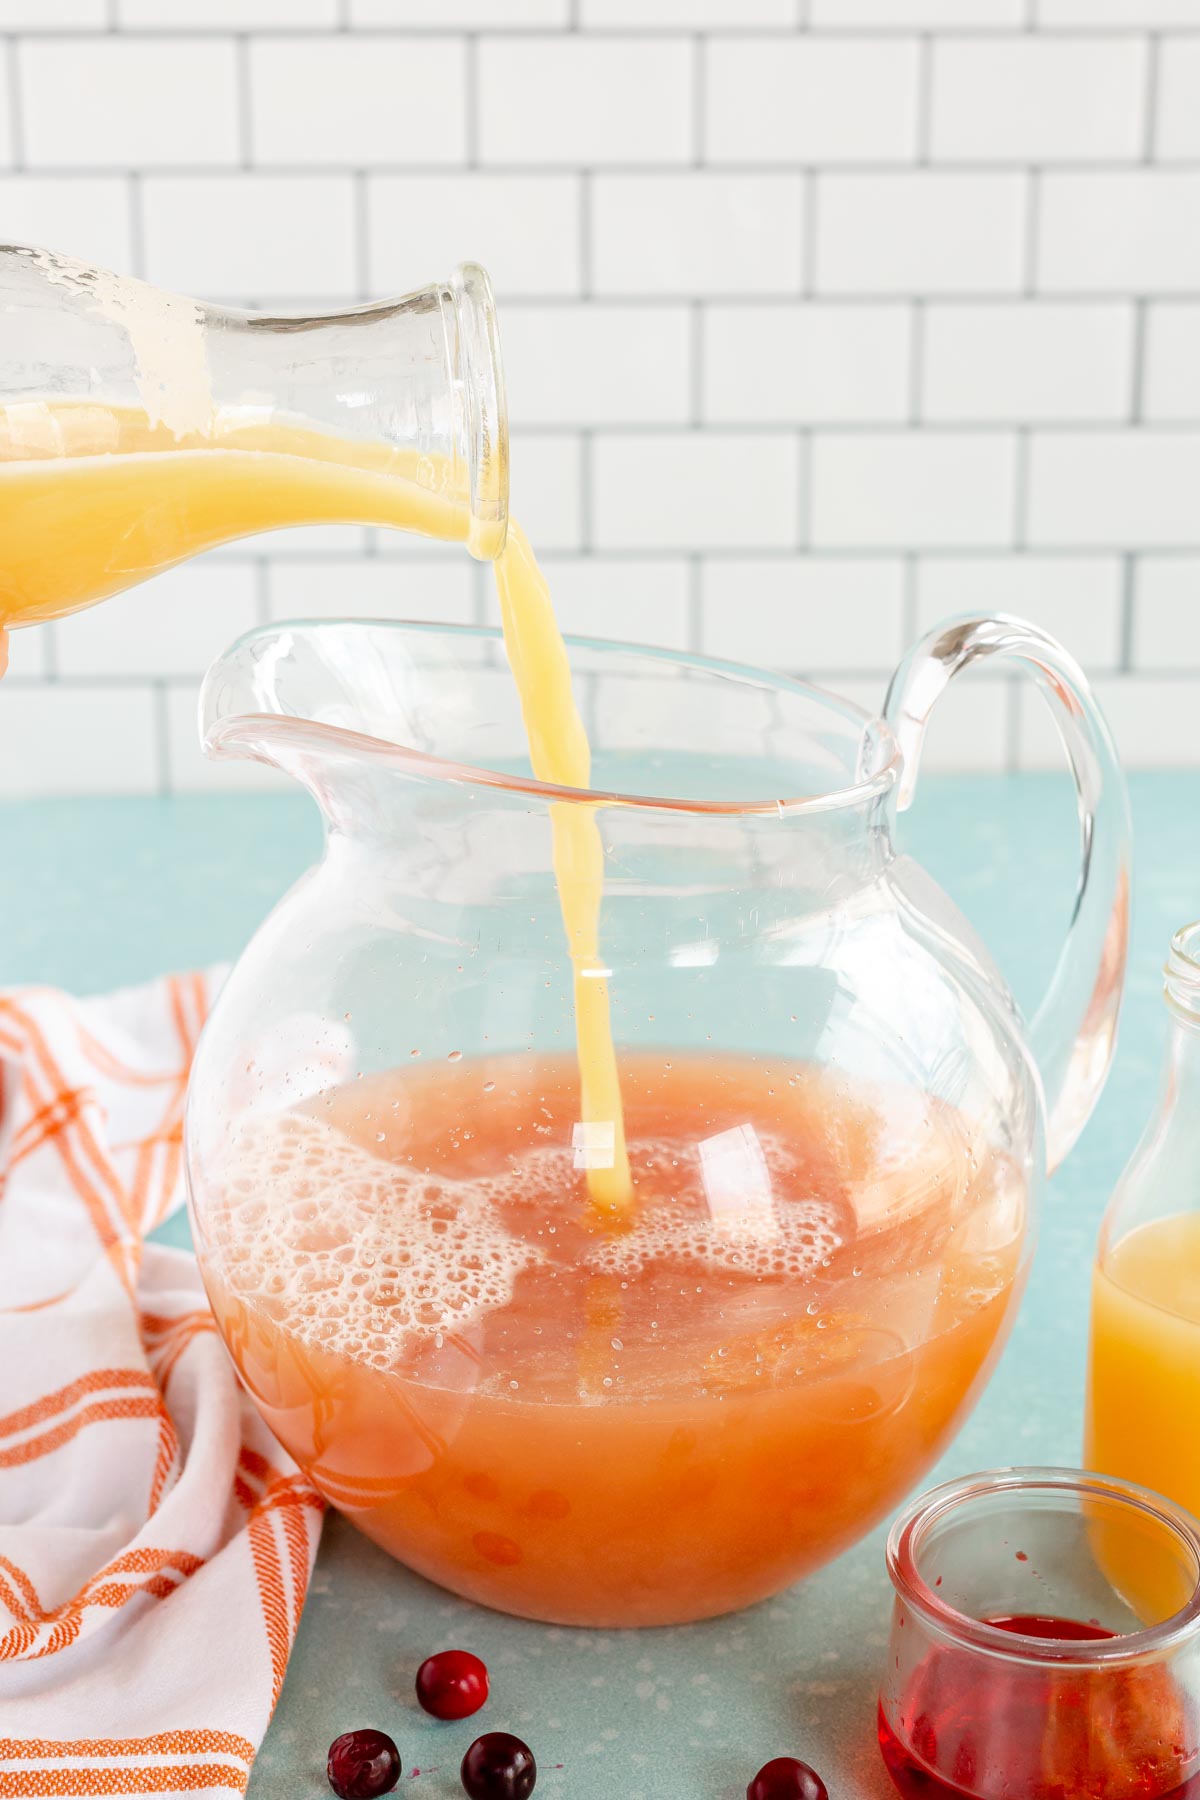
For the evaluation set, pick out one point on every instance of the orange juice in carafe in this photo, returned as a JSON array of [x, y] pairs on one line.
[[95, 498]]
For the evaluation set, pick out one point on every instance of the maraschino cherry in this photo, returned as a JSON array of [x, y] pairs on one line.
[[499, 1767], [452, 1685], [786, 1779], [363, 1764]]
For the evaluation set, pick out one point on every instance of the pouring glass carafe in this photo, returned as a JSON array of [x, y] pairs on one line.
[[836, 1119], [138, 427]]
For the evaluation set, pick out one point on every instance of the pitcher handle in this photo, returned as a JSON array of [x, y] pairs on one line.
[[1074, 1031]]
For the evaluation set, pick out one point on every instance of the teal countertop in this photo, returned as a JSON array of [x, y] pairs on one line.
[[95, 893]]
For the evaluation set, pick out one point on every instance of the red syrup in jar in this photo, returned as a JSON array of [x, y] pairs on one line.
[[971, 1728]]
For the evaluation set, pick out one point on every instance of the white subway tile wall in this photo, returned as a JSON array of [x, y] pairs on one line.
[[823, 319]]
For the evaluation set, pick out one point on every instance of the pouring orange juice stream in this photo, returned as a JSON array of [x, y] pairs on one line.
[[97, 497], [450, 1405]]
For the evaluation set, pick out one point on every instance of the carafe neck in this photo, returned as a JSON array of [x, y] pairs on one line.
[[391, 413], [411, 387]]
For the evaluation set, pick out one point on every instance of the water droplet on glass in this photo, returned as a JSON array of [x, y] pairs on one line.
[[616, 1343], [488, 1086], [454, 1056]]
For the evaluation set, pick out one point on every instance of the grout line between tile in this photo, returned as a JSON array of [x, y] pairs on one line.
[[695, 603], [245, 101], [1021, 488], [586, 461], [1065, 34], [362, 234], [925, 56], [1150, 97], [1137, 395], [1128, 604], [162, 735], [16, 112], [1033, 210], [586, 210], [696, 327], [262, 591], [137, 225], [810, 202], [449, 167], [699, 101], [804, 497], [909, 610], [831, 671], [471, 97], [916, 362]]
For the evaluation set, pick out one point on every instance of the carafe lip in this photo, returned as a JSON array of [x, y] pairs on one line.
[[231, 735]]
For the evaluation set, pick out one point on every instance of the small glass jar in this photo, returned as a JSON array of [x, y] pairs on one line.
[[1143, 1404], [1045, 1642]]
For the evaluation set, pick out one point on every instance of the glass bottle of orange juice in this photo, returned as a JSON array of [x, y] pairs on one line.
[[139, 427], [1143, 1406]]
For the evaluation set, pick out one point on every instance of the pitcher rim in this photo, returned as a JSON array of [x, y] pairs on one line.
[[217, 737]]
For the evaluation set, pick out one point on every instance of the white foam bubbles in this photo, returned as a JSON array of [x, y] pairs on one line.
[[779, 1235], [351, 1252], [363, 1256]]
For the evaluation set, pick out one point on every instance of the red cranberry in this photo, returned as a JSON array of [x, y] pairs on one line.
[[499, 1767], [452, 1685], [362, 1764], [786, 1779]]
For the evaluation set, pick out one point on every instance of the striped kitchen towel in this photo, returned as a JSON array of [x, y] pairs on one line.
[[155, 1541]]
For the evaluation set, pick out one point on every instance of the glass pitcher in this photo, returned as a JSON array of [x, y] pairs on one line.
[[138, 427], [837, 1122]]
